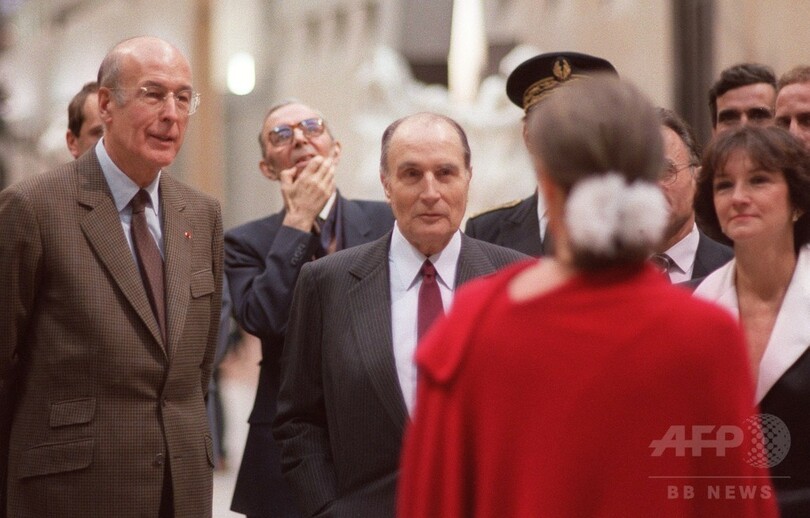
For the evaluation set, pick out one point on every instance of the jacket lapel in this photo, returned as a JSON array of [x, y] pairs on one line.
[[472, 262], [790, 336], [102, 228], [709, 256], [370, 302], [177, 243], [355, 223]]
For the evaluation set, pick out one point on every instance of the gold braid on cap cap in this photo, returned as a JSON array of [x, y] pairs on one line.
[[536, 92]]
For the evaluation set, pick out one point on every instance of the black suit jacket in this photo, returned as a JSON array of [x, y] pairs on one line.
[[262, 261], [513, 226], [710, 256], [341, 412]]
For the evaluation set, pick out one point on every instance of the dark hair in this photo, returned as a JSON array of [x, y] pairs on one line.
[[673, 121], [389, 132], [770, 149], [590, 128], [76, 107], [737, 76], [800, 74]]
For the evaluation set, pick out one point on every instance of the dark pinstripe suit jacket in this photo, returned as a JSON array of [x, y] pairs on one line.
[[341, 413], [102, 402], [262, 261]]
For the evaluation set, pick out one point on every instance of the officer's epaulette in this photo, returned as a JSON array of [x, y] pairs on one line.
[[507, 205]]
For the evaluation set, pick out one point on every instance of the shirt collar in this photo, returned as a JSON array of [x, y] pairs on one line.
[[406, 260], [121, 186], [542, 216], [683, 252], [324, 214], [541, 205]]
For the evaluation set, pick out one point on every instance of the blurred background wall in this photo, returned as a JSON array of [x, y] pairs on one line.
[[364, 63]]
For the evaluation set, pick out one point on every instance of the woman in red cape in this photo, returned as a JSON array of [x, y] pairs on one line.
[[585, 384]]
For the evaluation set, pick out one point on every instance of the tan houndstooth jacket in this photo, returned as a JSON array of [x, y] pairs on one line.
[[102, 404]]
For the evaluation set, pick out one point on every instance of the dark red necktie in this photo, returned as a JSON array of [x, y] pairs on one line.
[[149, 259], [430, 299]]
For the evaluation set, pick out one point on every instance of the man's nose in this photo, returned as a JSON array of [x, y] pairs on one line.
[[431, 190]]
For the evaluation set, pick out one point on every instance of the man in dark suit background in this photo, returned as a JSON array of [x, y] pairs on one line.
[[108, 368], [263, 259], [348, 377], [522, 224], [686, 253]]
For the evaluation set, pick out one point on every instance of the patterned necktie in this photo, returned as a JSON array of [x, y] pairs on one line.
[[430, 299], [149, 259], [327, 241], [663, 263]]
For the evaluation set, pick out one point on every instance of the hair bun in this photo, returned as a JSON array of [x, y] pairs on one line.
[[604, 214]]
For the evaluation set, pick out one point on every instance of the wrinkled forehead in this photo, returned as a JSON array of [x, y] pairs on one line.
[[426, 140], [174, 74], [674, 146], [794, 94]]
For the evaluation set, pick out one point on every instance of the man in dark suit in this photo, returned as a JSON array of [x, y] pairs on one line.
[[263, 259], [106, 369], [522, 224], [686, 253], [348, 377]]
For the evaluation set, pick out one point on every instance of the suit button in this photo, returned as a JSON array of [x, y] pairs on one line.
[[159, 459], [163, 401]]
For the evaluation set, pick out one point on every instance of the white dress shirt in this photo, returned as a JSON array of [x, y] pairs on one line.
[[404, 264], [328, 207], [683, 254], [542, 215], [123, 189]]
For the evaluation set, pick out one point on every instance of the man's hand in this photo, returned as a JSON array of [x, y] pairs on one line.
[[305, 193]]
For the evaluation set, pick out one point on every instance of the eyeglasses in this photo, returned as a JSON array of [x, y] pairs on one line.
[[186, 101], [671, 170], [283, 134]]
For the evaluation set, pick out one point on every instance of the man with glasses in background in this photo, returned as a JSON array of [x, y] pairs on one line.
[[111, 272], [686, 253], [744, 94], [262, 262]]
